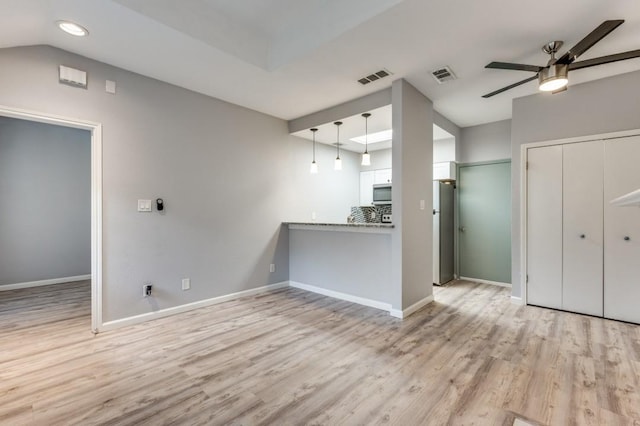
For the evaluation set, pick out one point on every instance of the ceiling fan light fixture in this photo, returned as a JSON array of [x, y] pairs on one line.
[[553, 78]]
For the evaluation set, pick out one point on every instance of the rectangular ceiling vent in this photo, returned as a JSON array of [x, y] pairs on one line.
[[444, 74], [375, 76]]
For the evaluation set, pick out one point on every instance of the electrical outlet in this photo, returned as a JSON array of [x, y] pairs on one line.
[[422, 204], [373, 215], [313, 215], [186, 283], [146, 290], [272, 267]]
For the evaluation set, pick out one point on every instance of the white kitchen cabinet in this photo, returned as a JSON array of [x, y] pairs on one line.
[[444, 171], [544, 226], [622, 231], [382, 176], [366, 187], [582, 227]]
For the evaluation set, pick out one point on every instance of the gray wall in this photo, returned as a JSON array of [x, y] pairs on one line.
[[607, 105], [355, 263], [45, 201], [412, 237], [225, 173], [485, 142]]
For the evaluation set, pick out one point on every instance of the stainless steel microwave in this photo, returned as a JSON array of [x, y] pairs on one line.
[[382, 193]]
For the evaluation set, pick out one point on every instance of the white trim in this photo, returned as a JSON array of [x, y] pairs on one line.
[[137, 319], [96, 195], [477, 280], [402, 314], [517, 300], [342, 296], [40, 283], [523, 189]]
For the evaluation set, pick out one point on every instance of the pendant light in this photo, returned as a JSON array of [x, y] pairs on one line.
[[314, 166], [366, 158], [337, 165]]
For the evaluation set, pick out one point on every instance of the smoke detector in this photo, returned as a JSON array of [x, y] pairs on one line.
[[443, 74]]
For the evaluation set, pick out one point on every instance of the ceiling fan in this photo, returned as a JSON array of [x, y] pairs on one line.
[[554, 76]]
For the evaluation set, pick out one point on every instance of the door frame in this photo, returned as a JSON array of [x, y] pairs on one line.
[[524, 150], [96, 195], [457, 209]]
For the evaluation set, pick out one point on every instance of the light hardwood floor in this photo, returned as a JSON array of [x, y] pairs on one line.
[[292, 357]]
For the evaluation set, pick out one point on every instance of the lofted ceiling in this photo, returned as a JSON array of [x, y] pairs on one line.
[[289, 58]]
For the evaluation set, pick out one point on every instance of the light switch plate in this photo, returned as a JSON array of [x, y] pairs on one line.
[[144, 205]]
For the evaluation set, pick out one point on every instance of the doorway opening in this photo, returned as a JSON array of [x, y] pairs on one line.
[[95, 130]]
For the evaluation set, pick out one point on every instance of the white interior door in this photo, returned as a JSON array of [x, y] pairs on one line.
[[544, 226], [582, 232], [622, 231]]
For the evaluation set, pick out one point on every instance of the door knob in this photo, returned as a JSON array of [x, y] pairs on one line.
[[582, 236], [627, 238], [462, 228]]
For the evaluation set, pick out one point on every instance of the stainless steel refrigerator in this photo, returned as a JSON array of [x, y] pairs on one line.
[[443, 233]]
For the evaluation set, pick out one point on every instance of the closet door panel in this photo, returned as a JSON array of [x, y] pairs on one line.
[[544, 226], [582, 228], [622, 231]]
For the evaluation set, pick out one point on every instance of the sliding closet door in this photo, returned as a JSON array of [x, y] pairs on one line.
[[622, 231], [582, 237], [544, 226]]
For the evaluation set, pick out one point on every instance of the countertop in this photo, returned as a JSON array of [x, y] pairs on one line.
[[345, 227]]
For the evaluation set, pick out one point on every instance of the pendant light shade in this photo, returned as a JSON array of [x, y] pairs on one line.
[[337, 165], [366, 158], [314, 166]]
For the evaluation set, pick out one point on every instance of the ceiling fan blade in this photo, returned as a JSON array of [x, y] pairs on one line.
[[515, 67], [504, 89], [605, 60], [586, 43]]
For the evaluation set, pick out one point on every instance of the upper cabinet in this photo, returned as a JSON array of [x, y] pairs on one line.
[[444, 171]]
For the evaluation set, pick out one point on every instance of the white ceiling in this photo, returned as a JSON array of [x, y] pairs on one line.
[[289, 58]]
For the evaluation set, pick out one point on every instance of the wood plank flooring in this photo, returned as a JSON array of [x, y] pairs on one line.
[[292, 357]]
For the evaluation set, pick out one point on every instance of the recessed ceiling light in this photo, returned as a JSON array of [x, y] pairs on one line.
[[72, 28], [382, 136]]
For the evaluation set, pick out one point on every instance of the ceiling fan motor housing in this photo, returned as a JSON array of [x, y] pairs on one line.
[[553, 77]]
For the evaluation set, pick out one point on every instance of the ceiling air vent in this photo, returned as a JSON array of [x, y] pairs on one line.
[[375, 76], [444, 74]]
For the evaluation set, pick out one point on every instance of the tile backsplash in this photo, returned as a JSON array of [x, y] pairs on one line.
[[362, 214]]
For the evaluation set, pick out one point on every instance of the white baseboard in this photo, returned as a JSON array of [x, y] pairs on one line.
[[477, 280], [137, 319], [342, 296], [411, 309], [517, 300], [45, 282]]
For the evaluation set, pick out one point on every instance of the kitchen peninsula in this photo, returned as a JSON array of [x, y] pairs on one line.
[[349, 261]]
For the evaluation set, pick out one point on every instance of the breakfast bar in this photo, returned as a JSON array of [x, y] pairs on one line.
[[350, 261]]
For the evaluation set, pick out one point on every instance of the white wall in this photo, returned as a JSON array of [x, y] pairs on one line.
[[330, 193], [444, 150], [607, 105], [45, 201], [380, 159], [225, 173], [485, 142]]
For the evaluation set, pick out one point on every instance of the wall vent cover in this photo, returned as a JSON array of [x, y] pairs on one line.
[[443, 74], [375, 76]]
